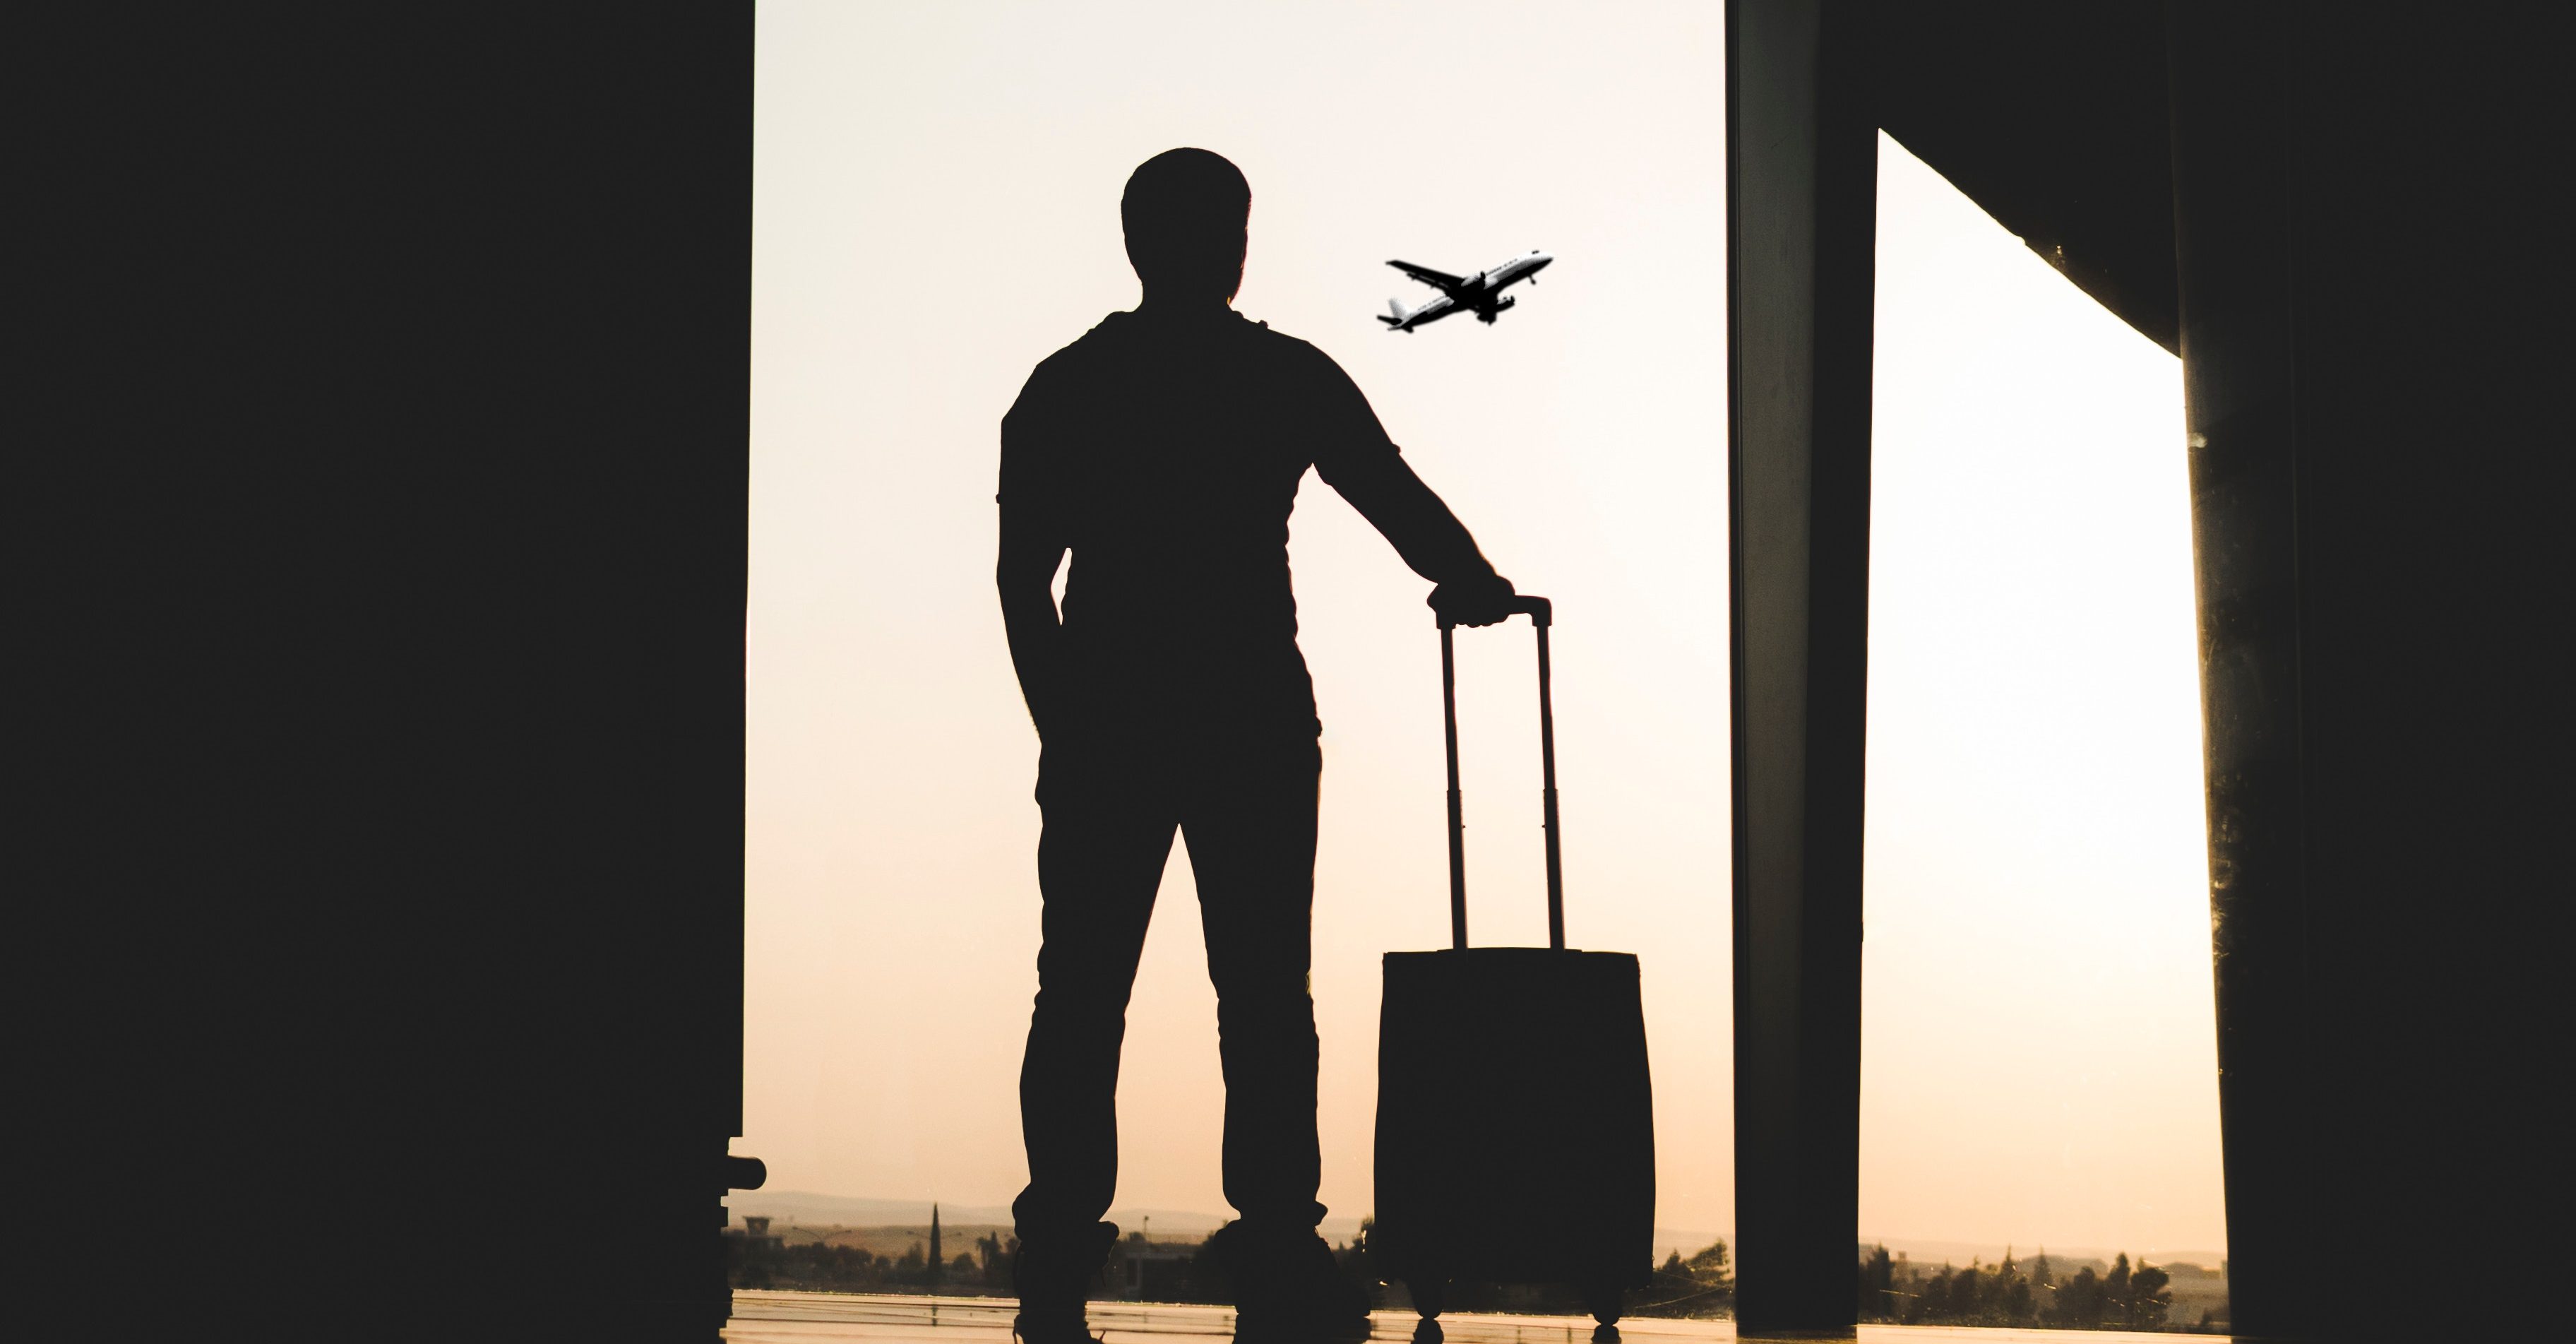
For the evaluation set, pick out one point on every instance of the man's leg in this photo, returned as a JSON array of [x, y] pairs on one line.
[[1100, 858], [1250, 825]]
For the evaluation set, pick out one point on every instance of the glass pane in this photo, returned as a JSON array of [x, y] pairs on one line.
[[2039, 1061], [937, 210]]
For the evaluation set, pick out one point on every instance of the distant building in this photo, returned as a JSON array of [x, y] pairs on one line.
[[754, 1235]]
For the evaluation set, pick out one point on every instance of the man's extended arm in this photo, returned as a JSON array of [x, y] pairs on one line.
[[1355, 458], [1432, 541]]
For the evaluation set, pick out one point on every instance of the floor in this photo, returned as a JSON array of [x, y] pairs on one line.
[[820, 1318]]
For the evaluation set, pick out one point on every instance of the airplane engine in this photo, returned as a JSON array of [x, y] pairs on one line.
[[1487, 315]]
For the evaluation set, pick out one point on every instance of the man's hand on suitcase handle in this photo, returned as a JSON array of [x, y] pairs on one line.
[[1489, 600]]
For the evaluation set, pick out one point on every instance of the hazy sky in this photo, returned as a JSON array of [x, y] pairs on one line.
[[936, 199]]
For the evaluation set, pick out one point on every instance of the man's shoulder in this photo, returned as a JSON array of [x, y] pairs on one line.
[[1291, 355], [1278, 343], [1122, 343], [1069, 369], [1091, 345]]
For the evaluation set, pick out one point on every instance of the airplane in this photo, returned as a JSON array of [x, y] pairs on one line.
[[1481, 293]]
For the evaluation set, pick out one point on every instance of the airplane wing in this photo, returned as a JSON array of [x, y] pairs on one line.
[[1440, 280]]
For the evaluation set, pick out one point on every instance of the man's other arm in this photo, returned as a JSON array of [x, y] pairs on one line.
[[1032, 546]]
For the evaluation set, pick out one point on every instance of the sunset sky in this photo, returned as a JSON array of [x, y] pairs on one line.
[[936, 210]]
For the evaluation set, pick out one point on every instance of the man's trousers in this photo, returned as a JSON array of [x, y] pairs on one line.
[[1246, 809]]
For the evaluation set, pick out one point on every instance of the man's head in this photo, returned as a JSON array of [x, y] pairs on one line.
[[1185, 212]]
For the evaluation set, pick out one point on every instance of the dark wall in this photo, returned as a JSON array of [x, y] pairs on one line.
[[2374, 384], [390, 446]]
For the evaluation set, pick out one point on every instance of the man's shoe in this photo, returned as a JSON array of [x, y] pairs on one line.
[[1288, 1290], [1052, 1277]]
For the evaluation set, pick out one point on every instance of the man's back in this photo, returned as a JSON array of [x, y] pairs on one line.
[[1167, 454]]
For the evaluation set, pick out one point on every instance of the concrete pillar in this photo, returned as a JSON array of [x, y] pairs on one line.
[[1802, 159]]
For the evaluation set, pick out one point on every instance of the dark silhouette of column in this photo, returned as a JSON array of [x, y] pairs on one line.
[[409, 612], [1802, 157], [2232, 252]]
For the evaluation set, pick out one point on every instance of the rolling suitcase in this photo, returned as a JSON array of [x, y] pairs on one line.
[[1515, 1120]]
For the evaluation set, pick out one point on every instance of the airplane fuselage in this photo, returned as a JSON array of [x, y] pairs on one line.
[[1480, 293]]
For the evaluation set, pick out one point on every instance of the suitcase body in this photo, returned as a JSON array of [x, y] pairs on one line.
[[1515, 1122]]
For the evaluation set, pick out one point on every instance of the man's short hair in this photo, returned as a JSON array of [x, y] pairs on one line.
[[1185, 211]]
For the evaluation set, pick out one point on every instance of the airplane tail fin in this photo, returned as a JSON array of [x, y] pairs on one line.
[[1396, 308]]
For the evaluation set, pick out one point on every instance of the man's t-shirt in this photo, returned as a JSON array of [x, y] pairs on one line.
[[1167, 454]]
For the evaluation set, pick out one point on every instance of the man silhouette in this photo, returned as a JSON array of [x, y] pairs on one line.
[[1164, 450]]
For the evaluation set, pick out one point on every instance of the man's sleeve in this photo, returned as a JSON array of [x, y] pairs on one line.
[[1032, 453], [1342, 430]]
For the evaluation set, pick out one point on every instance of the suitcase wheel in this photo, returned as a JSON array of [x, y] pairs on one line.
[[1429, 1294], [1606, 1302]]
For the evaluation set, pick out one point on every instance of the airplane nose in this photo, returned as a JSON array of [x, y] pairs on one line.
[[1540, 261]]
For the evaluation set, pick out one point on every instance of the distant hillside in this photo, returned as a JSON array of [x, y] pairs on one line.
[[2062, 1258], [799, 1206], [892, 1241]]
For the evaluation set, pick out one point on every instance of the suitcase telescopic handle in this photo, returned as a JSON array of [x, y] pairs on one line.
[[1541, 615]]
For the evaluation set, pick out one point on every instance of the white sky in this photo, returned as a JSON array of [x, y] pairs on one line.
[[936, 195]]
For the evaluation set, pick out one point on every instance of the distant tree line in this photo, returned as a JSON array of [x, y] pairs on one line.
[[1701, 1285], [819, 1266], [2010, 1293], [2007, 1294]]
